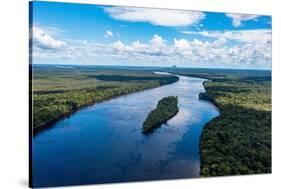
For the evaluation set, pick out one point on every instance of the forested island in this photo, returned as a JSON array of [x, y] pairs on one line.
[[165, 110], [58, 91], [238, 141]]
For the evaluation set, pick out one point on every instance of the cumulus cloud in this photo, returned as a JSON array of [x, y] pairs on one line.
[[259, 35], [204, 53], [42, 39], [108, 34], [157, 41], [182, 46], [237, 19], [160, 17], [155, 47]]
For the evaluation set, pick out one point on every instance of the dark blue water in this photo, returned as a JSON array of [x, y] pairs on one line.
[[104, 143]]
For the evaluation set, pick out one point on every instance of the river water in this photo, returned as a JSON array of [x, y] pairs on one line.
[[103, 143]]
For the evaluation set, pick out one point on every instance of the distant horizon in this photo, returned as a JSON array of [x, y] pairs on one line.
[[135, 66]]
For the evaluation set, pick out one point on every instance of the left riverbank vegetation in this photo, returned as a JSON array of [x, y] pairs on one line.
[[58, 91], [238, 141], [166, 108]]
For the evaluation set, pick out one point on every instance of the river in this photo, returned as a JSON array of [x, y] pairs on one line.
[[103, 143]]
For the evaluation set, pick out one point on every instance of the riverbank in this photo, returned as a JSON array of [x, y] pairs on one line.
[[238, 141], [112, 130], [49, 106]]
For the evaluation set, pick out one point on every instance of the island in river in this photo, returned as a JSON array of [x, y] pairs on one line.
[[166, 108], [111, 129], [58, 91], [237, 139]]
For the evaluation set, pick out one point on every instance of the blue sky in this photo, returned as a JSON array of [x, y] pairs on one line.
[[65, 33]]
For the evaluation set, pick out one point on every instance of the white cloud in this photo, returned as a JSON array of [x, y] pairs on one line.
[[156, 46], [160, 17], [219, 42], [108, 34], [118, 45], [42, 39], [157, 41], [203, 53], [181, 44], [237, 19], [259, 35]]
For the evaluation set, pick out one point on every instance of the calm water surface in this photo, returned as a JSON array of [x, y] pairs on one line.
[[104, 143]]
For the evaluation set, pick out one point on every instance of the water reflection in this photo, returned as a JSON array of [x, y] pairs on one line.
[[104, 142]]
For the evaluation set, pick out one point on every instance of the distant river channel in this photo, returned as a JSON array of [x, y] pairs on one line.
[[103, 143]]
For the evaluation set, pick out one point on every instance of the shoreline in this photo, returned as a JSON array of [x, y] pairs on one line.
[[50, 123], [217, 139], [203, 96], [153, 121]]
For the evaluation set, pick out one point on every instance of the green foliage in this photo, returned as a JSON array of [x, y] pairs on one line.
[[165, 110], [238, 141], [223, 75], [59, 91], [135, 78]]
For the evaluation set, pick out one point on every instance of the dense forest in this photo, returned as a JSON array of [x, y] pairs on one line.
[[238, 141], [165, 110], [58, 91]]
